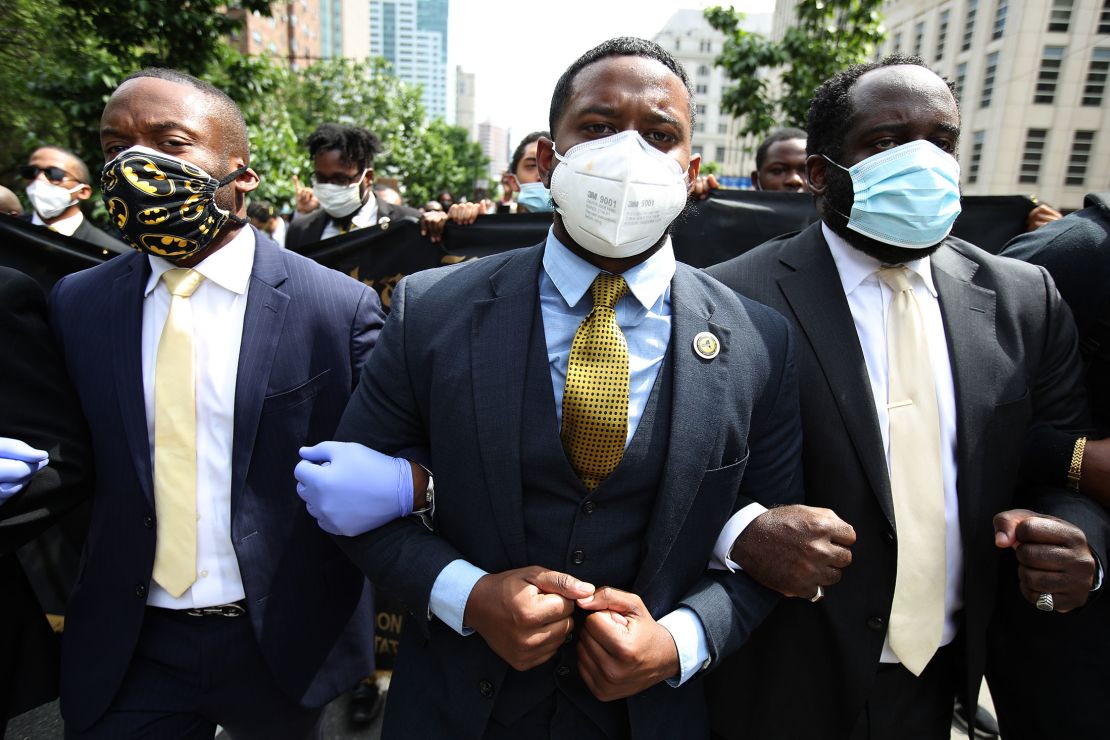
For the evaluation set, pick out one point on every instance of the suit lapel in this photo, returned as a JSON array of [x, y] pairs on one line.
[[816, 296], [500, 338], [262, 326], [968, 313], [697, 387], [127, 362]]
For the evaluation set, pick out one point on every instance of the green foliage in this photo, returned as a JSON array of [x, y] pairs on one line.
[[709, 168], [829, 35], [61, 59]]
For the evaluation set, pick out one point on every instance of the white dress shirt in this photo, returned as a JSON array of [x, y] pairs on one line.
[[218, 305], [366, 216], [869, 301], [66, 225]]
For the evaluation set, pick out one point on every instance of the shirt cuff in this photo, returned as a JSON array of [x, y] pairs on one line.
[[450, 592], [733, 528], [688, 634], [1099, 572]]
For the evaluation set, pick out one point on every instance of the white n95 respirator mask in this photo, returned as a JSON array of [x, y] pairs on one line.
[[617, 195]]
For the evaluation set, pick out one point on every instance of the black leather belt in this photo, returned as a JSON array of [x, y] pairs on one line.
[[231, 611]]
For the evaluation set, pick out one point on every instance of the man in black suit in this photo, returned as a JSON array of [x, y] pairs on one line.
[[343, 182], [40, 409], [482, 375], [993, 350], [57, 183], [207, 595]]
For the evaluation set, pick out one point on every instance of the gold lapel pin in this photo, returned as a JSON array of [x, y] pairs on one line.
[[383, 222], [706, 345]]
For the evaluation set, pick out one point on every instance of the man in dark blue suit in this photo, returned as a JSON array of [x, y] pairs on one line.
[[583, 565], [207, 596]]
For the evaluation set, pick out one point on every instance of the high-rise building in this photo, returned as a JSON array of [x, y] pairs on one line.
[[693, 42], [464, 100], [292, 31], [1032, 84], [412, 36], [494, 141]]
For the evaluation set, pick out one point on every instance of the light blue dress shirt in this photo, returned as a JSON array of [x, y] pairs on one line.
[[645, 318]]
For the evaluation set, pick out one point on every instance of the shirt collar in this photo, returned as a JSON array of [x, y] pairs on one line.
[[367, 215], [229, 267], [67, 225], [573, 276], [854, 266]]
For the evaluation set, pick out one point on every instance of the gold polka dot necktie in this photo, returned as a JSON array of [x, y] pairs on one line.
[[916, 480], [175, 440], [595, 400]]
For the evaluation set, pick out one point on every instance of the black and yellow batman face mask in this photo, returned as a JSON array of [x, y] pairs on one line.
[[162, 205]]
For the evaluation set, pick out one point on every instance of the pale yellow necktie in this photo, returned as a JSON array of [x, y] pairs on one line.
[[175, 440], [595, 399], [916, 481]]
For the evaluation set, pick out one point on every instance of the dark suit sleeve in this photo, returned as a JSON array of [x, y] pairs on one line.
[[731, 605], [40, 408], [402, 557], [366, 326]]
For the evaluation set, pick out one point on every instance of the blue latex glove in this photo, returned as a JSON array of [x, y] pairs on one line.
[[351, 489], [18, 462]]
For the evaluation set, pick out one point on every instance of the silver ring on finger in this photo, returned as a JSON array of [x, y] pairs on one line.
[[821, 594], [1045, 603]]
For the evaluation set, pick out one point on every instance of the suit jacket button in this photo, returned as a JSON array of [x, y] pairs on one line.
[[485, 688], [140, 590], [589, 507], [562, 671], [876, 624], [148, 522], [579, 557]]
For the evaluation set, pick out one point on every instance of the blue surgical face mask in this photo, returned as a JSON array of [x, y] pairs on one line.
[[535, 197], [908, 196]]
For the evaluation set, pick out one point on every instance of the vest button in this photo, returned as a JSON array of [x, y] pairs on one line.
[[562, 671], [579, 557], [140, 590], [876, 624], [148, 522], [485, 688], [589, 507]]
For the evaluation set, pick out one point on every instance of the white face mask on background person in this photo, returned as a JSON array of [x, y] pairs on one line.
[[617, 195], [339, 201], [50, 200]]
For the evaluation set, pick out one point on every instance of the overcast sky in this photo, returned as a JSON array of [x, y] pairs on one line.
[[518, 48]]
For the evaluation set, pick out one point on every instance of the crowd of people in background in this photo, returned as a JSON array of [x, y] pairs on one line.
[[816, 491]]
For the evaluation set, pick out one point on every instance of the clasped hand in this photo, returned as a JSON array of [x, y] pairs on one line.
[[525, 615], [1052, 554], [350, 489], [18, 462]]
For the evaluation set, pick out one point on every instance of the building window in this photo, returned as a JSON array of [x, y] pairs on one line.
[[722, 128], [701, 89], [976, 156], [720, 154], [1081, 147], [961, 76], [678, 44], [988, 80], [703, 70], [701, 109], [1060, 17], [1047, 78], [969, 24], [705, 47], [695, 150], [1104, 18], [897, 48], [1000, 19], [1096, 77], [699, 127], [942, 33], [918, 38], [1035, 141]]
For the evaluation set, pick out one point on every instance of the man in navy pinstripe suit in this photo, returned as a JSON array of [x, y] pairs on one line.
[[276, 622]]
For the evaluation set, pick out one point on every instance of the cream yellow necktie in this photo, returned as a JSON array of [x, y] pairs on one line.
[[175, 440], [916, 482], [595, 399]]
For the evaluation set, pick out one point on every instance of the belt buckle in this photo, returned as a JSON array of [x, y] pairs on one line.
[[231, 611]]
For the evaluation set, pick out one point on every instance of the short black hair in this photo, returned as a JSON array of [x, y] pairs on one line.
[[355, 145], [518, 154], [624, 46], [81, 169], [260, 211], [227, 112], [830, 111], [779, 134]]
